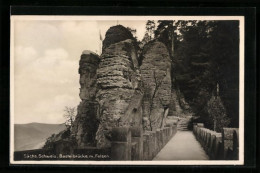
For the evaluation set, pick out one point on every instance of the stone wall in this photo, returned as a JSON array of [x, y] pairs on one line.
[[219, 146], [156, 75], [134, 144]]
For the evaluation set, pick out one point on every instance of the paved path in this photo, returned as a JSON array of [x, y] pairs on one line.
[[183, 146]]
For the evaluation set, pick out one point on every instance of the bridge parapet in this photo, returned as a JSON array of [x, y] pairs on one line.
[[144, 145], [219, 146]]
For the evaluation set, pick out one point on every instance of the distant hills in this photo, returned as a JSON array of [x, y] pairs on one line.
[[33, 135]]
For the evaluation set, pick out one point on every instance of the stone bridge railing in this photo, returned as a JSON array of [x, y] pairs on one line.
[[219, 146], [127, 143], [133, 144]]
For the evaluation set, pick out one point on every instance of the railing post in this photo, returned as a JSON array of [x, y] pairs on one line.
[[199, 131], [137, 136], [227, 141], [170, 129], [209, 141], [153, 144], [159, 141], [194, 128], [146, 153], [174, 128], [208, 136], [164, 136], [121, 143], [216, 148], [236, 144]]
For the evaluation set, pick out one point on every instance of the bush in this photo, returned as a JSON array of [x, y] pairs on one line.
[[217, 113]]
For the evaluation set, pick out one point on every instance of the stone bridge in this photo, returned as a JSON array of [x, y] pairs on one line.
[[172, 144], [168, 143]]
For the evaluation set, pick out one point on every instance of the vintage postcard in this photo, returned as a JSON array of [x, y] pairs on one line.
[[134, 90]]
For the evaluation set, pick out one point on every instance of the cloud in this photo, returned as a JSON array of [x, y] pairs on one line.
[[45, 86], [80, 35], [41, 35], [24, 55], [46, 61]]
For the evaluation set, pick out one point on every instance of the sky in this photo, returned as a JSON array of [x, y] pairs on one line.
[[46, 56]]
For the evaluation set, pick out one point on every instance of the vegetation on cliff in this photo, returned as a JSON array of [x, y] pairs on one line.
[[189, 65], [203, 53]]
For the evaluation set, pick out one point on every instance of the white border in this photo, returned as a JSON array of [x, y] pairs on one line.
[[94, 18]]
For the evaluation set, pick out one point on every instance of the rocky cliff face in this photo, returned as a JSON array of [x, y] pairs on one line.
[[119, 95], [178, 106], [116, 34], [155, 70], [85, 125], [83, 130], [116, 91]]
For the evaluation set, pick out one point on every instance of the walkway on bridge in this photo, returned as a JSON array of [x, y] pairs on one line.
[[183, 146]]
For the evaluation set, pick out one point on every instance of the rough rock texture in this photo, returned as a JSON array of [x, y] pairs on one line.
[[83, 130], [61, 140], [178, 106], [119, 95], [173, 106], [85, 125], [155, 70], [116, 34], [115, 91], [87, 69]]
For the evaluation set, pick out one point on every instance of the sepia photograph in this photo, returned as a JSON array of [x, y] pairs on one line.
[[135, 90]]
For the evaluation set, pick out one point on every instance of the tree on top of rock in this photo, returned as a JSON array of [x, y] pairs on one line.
[[165, 33], [149, 33]]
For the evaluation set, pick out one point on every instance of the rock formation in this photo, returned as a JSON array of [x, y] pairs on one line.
[[82, 132], [85, 125], [155, 70], [178, 106], [119, 95], [116, 34], [116, 91]]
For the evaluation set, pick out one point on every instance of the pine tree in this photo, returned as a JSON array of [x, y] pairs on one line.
[[217, 113], [150, 28], [165, 33], [208, 54]]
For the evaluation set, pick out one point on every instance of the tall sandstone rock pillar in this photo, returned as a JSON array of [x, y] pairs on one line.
[[85, 125], [156, 74], [119, 95]]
